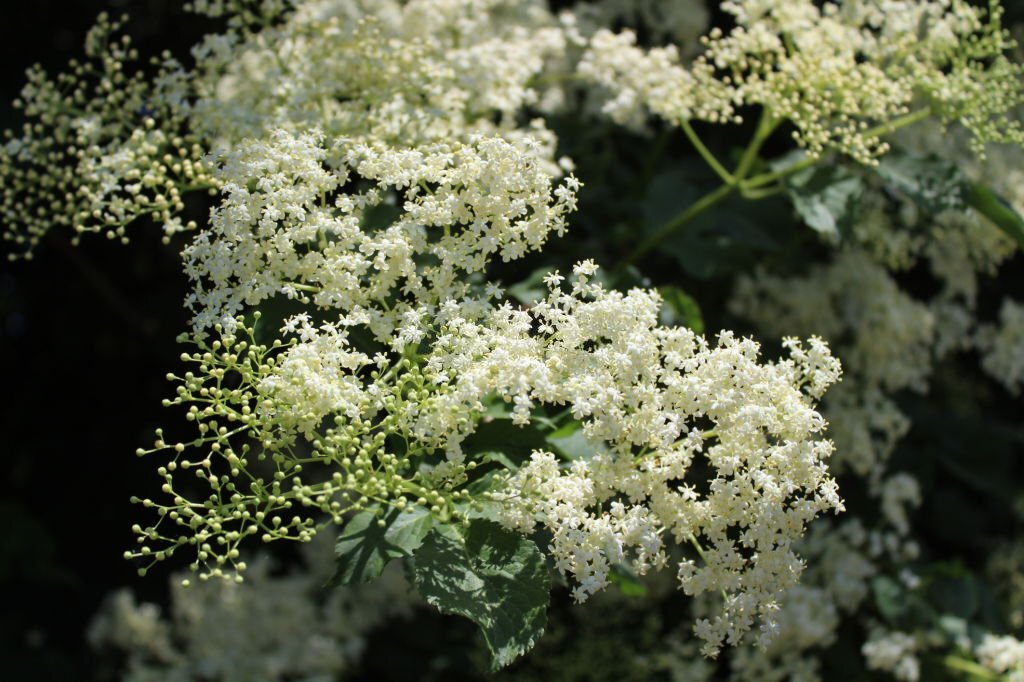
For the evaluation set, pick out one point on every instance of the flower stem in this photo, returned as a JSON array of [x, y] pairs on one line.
[[732, 181], [702, 149], [669, 228], [963, 665]]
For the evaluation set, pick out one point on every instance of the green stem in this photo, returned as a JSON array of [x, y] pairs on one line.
[[903, 121], [964, 665], [664, 232], [884, 129], [702, 149], [752, 188], [766, 125], [761, 193], [768, 178]]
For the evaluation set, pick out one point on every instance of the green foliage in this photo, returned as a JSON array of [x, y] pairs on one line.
[[372, 539], [998, 210], [826, 198], [492, 576], [933, 183], [680, 308]]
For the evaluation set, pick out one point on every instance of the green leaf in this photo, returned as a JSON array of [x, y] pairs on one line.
[[721, 242], [998, 210], [532, 289], [499, 435], [932, 183], [493, 577], [679, 308], [826, 197], [629, 584], [480, 505], [365, 547], [569, 442], [890, 598]]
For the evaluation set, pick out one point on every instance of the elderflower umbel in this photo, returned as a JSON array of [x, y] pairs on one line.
[[838, 72]]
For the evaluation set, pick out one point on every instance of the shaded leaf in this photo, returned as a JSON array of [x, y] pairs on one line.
[[629, 584], [480, 505], [502, 439], [932, 183], [494, 577], [570, 442], [720, 242], [365, 547], [826, 198], [531, 289]]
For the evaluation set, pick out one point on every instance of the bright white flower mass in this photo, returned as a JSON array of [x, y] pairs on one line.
[[835, 71]]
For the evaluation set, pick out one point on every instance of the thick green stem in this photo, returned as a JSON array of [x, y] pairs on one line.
[[752, 188], [768, 178]]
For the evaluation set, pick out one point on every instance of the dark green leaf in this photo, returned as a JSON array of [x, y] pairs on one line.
[[480, 505], [998, 210], [890, 597], [669, 194], [957, 596], [500, 435], [494, 577], [932, 183], [365, 547], [721, 242]]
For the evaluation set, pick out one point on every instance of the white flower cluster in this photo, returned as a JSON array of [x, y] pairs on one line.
[[272, 627], [656, 403], [838, 72], [443, 211], [889, 341], [390, 72], [1003, 655], [1002, 347], [893, 652], [369, 162], [889, 338], [102, 148]]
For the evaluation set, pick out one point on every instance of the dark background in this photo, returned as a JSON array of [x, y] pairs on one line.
[[86, 336]]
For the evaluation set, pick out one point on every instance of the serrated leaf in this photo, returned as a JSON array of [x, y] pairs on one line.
[[365, 547], [679, 308], [997, 209], [493, 577], [826, 198], [932, 183]]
